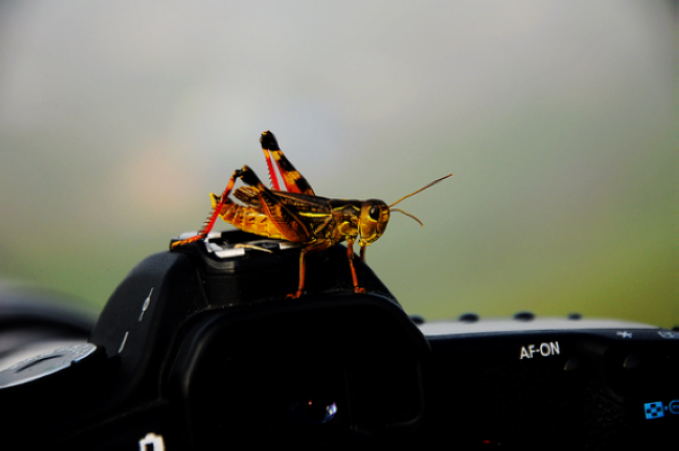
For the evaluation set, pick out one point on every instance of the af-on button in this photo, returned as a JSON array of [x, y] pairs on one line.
[[674, 407]]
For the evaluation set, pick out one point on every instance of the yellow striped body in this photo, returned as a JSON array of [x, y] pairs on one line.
[[248, 219]]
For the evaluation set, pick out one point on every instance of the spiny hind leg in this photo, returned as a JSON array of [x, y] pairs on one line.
[[216, 208], [266, 140]]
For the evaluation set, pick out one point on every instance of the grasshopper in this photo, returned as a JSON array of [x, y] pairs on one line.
[[298, 214]]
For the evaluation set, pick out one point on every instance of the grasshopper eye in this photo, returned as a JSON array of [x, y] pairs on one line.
[[374, 213]]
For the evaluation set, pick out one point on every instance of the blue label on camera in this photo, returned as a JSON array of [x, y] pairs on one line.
[[653, 410]]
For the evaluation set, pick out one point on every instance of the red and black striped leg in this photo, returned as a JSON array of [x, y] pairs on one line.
[[268, 143], [294, 181], [272, 172]]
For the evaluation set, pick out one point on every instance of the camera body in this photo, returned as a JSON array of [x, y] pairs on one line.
[[200, 347]]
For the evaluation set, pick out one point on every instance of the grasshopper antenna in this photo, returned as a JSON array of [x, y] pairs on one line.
[[412, 194], [420, 190], [407, 214]]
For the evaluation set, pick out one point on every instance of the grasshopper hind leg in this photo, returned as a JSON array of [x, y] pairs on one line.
[[293, 180], [216, 208]]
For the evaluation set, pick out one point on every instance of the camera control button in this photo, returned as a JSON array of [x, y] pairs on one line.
[[674, 407], [44, 364], [524, 316], [469, 318]]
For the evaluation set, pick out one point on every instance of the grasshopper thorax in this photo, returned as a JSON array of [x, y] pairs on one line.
[[373, 220]]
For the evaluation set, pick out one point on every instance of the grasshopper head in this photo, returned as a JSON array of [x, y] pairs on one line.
[[373, 220], [375, 215]]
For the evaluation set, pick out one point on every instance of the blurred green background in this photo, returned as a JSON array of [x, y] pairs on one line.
[[557, 118]]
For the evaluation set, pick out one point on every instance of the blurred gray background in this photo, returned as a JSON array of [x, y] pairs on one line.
[[117, 119]]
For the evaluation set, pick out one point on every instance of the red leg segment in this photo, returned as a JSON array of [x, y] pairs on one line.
[[272, 172], [350, 257], [302, 275], [210, 222]]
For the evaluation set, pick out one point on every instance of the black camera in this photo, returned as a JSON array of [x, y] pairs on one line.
[[201, 348]]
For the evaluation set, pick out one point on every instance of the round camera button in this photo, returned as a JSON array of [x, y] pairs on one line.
[[45, 364]]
